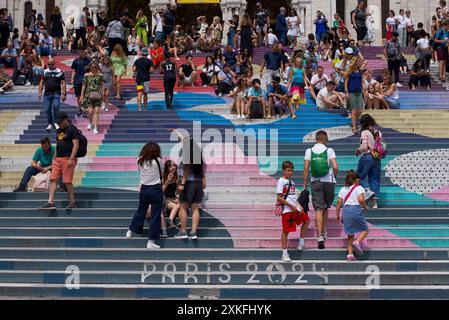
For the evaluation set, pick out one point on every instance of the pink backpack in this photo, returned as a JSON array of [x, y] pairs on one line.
[[41, 182]]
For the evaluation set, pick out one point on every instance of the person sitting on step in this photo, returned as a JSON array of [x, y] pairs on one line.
[[419, 75], [187, 73], [5, 81], [170, 189], [41, 163]]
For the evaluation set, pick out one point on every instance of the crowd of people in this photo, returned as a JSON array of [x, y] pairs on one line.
[[296, 63]]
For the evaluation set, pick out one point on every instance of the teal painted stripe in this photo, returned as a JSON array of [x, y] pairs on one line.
[[432, 243], [416, 232]]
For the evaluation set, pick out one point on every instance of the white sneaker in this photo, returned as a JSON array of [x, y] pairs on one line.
[[301, 246], [374, 206], [56, 126], [95, 131], [152, 245], [286, 258], [129, 234], [368, 193], [89, 126], [49, 127], [2, 91], [398, 85], [27, 84]]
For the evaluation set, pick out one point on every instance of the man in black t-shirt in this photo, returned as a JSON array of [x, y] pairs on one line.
[[169, 20], [187, 72], [168, 68], [261, 23], [55, 89], [143, 66], [64, 163]]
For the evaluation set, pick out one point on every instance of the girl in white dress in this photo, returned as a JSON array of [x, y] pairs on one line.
[[293, 23]]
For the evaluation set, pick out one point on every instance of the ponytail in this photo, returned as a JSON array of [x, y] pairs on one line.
[[351, 176]]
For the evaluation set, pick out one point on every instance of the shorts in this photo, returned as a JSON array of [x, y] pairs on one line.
[[292, 219], [78, 88], [192, 193], [442, 54], [323, 194], [361, 33], [60, 168], [262, 29], [355, 101], [143, 87]]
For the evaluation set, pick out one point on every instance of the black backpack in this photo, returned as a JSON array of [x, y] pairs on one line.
[[20, 80], [82, 150], [256, 110]]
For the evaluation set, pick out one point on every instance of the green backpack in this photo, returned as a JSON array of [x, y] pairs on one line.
[[318, 164]]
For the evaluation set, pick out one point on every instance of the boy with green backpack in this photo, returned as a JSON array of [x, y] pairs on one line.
[[321, 161]]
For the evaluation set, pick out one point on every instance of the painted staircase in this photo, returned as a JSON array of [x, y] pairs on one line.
[[237, 254]]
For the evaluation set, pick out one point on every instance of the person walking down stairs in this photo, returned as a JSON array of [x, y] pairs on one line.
[[64, 163], [150, 169]]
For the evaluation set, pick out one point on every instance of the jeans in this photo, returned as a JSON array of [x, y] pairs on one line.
[[369, 168], [319, 36], [9, 62], [38, 72], [402, 37], [283, 37], [30, 172], [149, 195], [51, 103], [44, 50]]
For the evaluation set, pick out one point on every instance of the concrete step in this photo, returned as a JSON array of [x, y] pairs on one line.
[[275, 278]]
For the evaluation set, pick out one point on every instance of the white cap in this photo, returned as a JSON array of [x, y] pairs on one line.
[[349, 51]]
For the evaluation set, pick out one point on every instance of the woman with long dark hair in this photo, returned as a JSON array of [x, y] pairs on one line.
[[245, 28], [369, 166], [150, 169], [191, 188]]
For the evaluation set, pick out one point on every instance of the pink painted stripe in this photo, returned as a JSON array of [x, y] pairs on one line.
[[310, 243], [441, 194]]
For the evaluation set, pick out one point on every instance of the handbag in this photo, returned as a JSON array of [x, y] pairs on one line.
[[349, 194], [279, 207], [95, 96], [41, 182]]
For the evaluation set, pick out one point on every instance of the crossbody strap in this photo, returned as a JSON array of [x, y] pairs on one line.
[[349, 194], [160, 170]]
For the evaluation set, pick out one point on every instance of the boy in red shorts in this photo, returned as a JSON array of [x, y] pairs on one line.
[[293, 214]]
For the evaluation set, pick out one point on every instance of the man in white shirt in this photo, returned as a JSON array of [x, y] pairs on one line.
[[328, 99], [159, 33], [80, 28], [272, 39], [322, 162], [318, 82]]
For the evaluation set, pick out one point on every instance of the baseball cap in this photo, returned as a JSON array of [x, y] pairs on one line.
[[144, 51], [61, 116], [349, 51]]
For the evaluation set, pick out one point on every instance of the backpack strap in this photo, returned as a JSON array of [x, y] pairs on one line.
[[349, 194]]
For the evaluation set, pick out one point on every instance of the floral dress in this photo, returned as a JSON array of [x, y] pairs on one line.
[[92, 83]]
